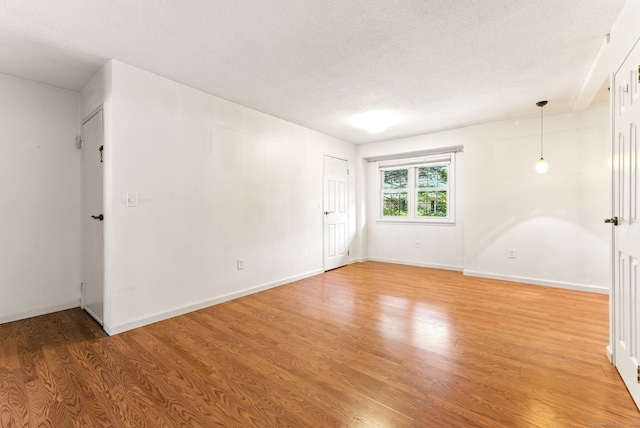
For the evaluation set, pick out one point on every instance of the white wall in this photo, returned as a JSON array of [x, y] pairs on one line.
[[553, 221], [40, 203], [216, 182]]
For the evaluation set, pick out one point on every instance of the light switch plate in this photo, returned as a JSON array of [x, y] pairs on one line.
[[132, 200]]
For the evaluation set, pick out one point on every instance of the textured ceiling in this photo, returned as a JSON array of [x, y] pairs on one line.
[[437, 64]]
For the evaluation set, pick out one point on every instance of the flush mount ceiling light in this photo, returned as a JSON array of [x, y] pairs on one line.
[[542, 166], [375, 122]]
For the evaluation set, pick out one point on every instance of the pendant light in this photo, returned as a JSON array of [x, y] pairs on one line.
[[542, 166]]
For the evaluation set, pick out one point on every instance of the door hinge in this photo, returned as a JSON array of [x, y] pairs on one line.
[[638, 374], [82, 287], [347, 172], [79, 142], [101, 150], [348, 252]]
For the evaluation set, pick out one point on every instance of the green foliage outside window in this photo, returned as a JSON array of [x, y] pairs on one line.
[[433, 176], [396, 179], [432, 204], [395, 204]]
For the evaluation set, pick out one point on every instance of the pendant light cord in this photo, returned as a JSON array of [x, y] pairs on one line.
[[541, 104], [541, 131]]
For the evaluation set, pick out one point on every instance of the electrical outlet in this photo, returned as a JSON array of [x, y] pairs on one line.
[[240, 264], [132, 200], [512, 253]]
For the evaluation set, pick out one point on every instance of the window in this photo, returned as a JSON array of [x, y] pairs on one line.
[[417, 189]]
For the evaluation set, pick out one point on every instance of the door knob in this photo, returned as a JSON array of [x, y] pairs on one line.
[[328, 212], [613, 220], [98, 217]]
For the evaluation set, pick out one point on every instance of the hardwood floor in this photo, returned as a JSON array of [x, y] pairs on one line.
[[368, 345]]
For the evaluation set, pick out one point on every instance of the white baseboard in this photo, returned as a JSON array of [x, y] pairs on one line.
[[161, 316], [610, 354], [42, 310], [413, 263], [534, 281]]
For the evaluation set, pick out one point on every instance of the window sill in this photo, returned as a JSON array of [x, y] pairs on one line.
[[438, 222]]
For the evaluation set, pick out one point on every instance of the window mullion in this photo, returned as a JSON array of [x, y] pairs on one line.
[[414, 193]]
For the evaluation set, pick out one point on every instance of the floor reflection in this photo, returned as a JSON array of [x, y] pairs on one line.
[[427, 326], [431, 328]]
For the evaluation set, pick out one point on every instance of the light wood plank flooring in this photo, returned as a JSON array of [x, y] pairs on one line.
[[368, 345]]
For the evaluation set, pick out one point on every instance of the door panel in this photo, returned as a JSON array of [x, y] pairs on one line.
[[625, 293], [336, 202], [92, 229]]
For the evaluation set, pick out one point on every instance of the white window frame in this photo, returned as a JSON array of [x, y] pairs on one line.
[[412, 165]]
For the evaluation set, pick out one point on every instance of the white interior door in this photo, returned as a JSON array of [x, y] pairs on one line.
[[336, 218], [626, 248], [92, 217]]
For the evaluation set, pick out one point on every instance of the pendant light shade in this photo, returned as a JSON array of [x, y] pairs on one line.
[[542, 166]]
